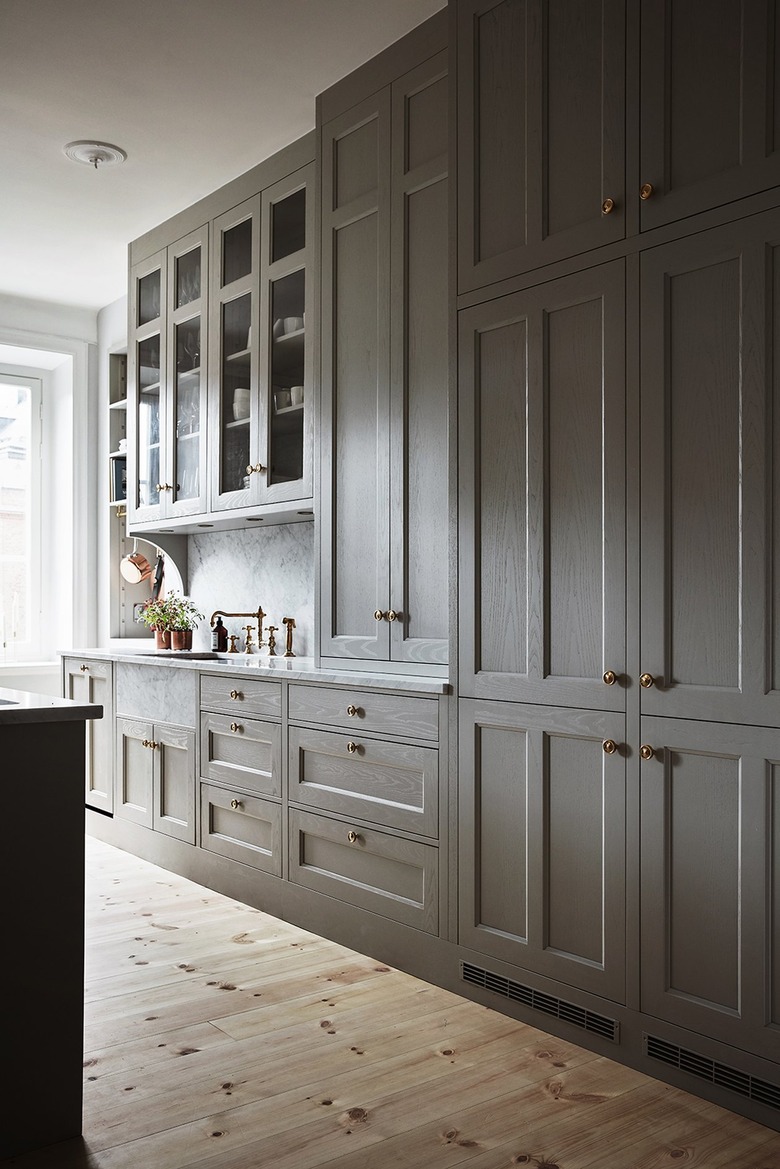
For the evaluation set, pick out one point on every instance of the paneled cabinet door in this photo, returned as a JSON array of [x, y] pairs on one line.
[[146, 381], [134, 768], [710, 105], [542, 841], [384, 374], [173, 784], [710, 386], [542, 493], [92, 681], [710, 850], [541, 95]]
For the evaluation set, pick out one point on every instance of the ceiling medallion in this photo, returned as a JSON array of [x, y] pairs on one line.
[[97, 154]]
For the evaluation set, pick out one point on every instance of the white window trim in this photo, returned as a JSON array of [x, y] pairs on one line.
[[28, 649]]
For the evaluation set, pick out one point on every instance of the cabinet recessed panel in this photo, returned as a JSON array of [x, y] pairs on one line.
[[502, 370], [575, 490], [176, 788], [501, 821], [774, 885], [355, 164], [236, 252], [426, 116], [575, 799], [774, 483]]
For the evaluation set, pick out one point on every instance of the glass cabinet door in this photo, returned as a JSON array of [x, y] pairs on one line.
[[233, 404], [286, 387], [146, 462], [184, 485]]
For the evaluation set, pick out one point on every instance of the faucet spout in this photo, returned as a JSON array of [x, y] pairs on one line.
[[257, 613]]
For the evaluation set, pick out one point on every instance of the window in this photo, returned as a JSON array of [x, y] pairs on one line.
[[20, 510]]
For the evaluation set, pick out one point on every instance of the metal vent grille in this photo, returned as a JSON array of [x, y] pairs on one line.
[[716, 1073], [538, 1001]]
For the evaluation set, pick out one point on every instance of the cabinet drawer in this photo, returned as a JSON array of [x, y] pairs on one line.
[[391, 784], [244, 696], [366, 710], [372, 870], [241, 752], [241, 827]]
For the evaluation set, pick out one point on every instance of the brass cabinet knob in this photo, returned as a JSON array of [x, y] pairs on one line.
[[646, 190], [352, 711], [609, 746], [352, 747], [235, 727], [158, 487], [646, 681], [234, 694], [83, 668], [607, 206], [392, 615], [646, 751], [235, 804], [154, 745], [249, 468], [144, 742], [378, 615], [352, 836], [259, 468], [609, 677]]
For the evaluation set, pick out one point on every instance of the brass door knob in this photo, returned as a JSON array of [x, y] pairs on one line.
[[82, 668], [392, 615], [352, 836], [646, 681], [609, 677], [144, 742], [352, 747], [646, 190], [353, 710], [235, 804], [235, 727], [154, 745], [234, 694], [646, 751], [259, 468], [378, 615], [609, 746], [607, 206]]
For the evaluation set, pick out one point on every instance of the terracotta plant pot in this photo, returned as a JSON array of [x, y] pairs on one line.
[[181, 639], [162, 638]]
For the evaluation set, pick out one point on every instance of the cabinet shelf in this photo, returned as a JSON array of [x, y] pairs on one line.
[[239, 422], [120, 404], [188, 375], [241, 355], [152, 390]]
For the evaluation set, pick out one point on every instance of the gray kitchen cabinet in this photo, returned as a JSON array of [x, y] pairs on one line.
[[710, 626], [167, 387], [541, 125], [155, 777], [542, 493], [92, 680], [384, 529], [262, 323], [710, 865], [710, 105], [542, 813]]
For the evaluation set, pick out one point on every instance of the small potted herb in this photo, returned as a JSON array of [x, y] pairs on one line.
[[172, 618]]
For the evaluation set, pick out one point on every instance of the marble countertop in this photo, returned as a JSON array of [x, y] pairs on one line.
[[254, 665], [20, 706]]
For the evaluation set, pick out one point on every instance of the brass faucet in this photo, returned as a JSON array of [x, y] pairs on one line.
[[258, 614]]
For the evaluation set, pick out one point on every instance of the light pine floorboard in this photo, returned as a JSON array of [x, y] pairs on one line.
[[217, 1037]]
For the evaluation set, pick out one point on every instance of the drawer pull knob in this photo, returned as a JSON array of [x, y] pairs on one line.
[[235, 804], [236, 727], [353, 837], [646, 681], [352, 747], [610, 746], [608, 206], [646, 751], [645, 191], [352, 711], [234, 694], [609, 677]]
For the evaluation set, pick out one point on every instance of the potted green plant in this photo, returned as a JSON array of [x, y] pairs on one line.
[[172, 618]]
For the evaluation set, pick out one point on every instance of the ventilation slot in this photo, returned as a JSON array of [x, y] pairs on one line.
[[518, 992], [716, 1073]]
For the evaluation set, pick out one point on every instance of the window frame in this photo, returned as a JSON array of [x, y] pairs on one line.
[[29, 649]]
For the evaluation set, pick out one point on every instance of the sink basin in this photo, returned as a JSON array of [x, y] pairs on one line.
[[186, 655]]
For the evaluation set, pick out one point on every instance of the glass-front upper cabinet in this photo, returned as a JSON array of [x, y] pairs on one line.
[[261, 298], [167, 459]]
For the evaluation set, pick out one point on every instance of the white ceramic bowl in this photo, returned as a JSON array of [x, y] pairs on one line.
[[293, 324]]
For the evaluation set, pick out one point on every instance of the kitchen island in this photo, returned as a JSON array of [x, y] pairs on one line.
[[42, 744]]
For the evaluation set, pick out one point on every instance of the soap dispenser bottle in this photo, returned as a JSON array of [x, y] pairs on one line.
[[219, 636]]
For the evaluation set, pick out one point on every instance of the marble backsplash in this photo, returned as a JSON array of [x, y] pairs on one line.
[[273, 568]]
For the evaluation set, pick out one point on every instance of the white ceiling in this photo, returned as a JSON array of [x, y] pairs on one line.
[[195, 91]]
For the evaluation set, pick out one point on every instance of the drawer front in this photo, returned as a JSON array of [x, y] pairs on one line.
[[241, 827], [242, 696], [390, 784], [241, 752], [388, 875], [365, 710]]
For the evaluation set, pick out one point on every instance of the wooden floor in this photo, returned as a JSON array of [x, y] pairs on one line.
[[220, 1038]]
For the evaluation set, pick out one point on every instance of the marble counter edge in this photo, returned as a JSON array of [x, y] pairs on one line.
[[22, 706], [299, 670]]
